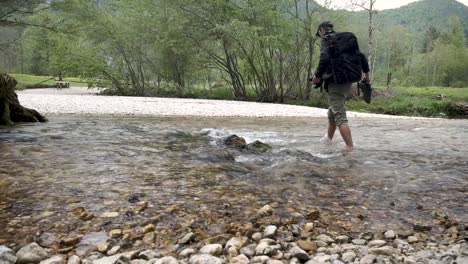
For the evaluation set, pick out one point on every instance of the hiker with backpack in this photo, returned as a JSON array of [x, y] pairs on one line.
[[341, 64]]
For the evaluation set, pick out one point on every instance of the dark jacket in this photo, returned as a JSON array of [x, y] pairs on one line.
[[324, 68]]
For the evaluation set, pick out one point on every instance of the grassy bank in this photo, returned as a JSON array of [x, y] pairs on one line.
[[416, 101]]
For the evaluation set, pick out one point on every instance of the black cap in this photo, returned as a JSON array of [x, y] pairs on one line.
[[325, 24]]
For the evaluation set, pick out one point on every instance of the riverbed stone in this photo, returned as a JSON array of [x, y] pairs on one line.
[[325, 238], [297, 252], [390, 234], [359, 242], [248, 251], [348, 257], [376, 243], [385, 250], [116, 233], [274, 261], [270, 231], [187, 252], [205, 259], [257, 236], [342, 239], [167, 260], [241, 259], [114, 250], [212, 249], [7, 255], [413, 239], [138, 261], [265, 210], [59, 259], [309, 227], [116, 259], [237, 242], [369, 259], [74, 260], [186, 238], [32, 253], [307, 245], [148, 254], [260, 259]]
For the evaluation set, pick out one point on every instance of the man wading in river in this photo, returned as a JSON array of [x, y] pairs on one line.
[[341, 64]]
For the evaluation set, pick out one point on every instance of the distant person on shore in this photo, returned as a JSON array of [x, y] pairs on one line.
[[341, 64]]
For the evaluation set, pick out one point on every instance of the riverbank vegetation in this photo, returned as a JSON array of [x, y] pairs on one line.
[[259, 50]]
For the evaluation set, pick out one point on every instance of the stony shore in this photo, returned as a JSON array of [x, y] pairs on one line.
[[85, 101], [270, 244]]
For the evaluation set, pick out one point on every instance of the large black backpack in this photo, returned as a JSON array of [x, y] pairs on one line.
[[345, 57]]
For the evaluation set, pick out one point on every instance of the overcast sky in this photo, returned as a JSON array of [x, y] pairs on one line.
[[380, 4]]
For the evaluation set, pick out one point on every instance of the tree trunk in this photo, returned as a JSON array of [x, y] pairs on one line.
[[11, 110]]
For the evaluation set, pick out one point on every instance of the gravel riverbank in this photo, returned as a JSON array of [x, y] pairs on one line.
[[85, 101]]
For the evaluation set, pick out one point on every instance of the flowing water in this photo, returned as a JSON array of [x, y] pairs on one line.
[[401, 170]]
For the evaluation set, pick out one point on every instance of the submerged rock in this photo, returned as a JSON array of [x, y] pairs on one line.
[[7, 256], [32, 253], [259, 146], [235, 141]]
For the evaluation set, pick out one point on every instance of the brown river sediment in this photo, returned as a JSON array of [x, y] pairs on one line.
[[401, 171]]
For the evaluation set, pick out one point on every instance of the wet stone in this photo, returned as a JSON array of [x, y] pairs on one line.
[[47, 239], [32, 253], [74, 260], [241, 259], [212, 249], [265, 210], [167, 260], [390, 234], [116, 233], [7, 255], [186, 238], [325, 238], [270, 231], [59, 259], [205, 259], [307, 245], [187, 252], [114, 250], [297, 252]]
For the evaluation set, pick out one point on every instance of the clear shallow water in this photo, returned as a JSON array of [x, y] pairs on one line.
[[401, 171]]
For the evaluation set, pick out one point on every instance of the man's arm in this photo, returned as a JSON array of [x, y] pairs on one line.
[[324, 60], [365, 67]]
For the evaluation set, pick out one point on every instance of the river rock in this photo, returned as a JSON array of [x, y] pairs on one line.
[[7, 255], [270, 231], [186, 238], [297, 252], [109, 214], [325, 238], [235, 141], [248, 251], [274, 261], [369, 259], [265, 210], [74, 260], [167, 260], [390, 234], [309, 227], [342, 239], [307, 245], [386, 250], [212, 249], [187, 252], [138, 261], [116, 233], [148, 254], [413, 239], [260, 259], [258, 146], [359, 242], [256, 236], [205, 259], [348, 257], [32, 253], [237, 242], [241, 259], [376, 243], [116, 259], [59, 259], [47, 239], [114, 250]]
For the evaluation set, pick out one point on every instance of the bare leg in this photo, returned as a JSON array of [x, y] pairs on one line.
[[345, 132], [331, 131]]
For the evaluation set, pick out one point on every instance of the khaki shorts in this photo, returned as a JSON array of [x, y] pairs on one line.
[[337, 94]]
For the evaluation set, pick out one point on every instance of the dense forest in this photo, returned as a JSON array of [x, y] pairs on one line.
[[266, 49]]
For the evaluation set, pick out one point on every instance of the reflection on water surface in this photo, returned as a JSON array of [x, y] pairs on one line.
[[400, 172]]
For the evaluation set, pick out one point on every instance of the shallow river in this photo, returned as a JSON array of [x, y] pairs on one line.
[[401, 170]]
